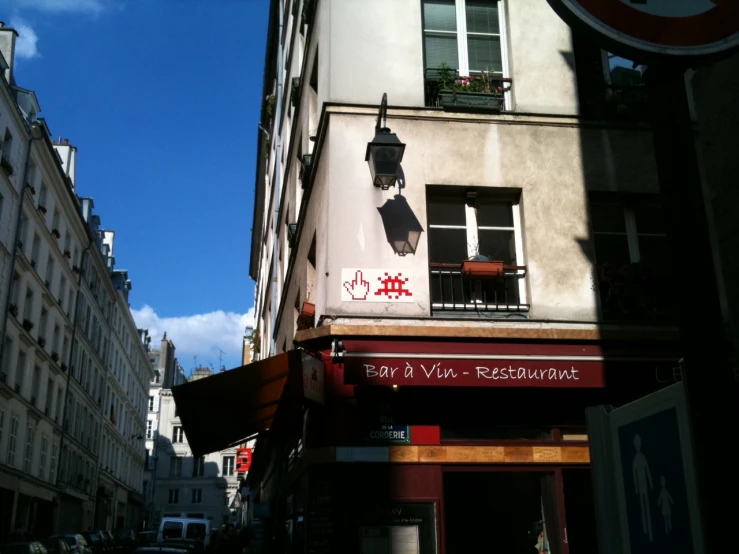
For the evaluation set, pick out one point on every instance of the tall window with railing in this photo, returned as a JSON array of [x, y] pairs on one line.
[[475, 224]]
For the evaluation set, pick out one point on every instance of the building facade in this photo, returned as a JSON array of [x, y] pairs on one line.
[[180, 484], [74, 369]]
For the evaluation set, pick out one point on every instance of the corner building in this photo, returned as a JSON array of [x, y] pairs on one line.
[[424, 354]]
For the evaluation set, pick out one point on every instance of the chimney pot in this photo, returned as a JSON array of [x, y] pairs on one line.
[[66, 141], [2, 24]]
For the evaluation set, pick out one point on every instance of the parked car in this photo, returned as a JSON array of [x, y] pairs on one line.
[[32, 547], [146, 538], [78, 544], [56, 545], [95, 542], [191, 545], [156, 549], [111, 544], [127, 540]]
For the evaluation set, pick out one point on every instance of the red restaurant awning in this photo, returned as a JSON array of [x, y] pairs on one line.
[[219, 411], [469, 364]]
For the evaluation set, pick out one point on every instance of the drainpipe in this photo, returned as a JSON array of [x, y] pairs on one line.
[[36, 134], [69, 372], [276, 180]]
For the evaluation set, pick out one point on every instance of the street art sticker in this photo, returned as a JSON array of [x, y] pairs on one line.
[[376, 285]]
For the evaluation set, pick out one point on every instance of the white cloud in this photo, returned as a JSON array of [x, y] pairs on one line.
[[198, 335], [61, 6], [25, 45]]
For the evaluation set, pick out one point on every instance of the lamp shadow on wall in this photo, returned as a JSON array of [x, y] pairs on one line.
[[402, 228]]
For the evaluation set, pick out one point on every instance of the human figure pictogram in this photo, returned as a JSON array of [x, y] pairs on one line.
[[642, 480], [665, 501]]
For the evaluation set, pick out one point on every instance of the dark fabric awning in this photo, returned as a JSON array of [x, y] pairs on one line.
[[219, 411]]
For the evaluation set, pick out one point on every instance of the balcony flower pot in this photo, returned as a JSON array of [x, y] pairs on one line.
[[68, 254], [479, 267], [13, 309], [75, 269], [308, 310], [64, 367], [488, 101], [27, 324], [33, 190], [42, 209], [55, 356], [42, 342], [56, 233], [306, 319]]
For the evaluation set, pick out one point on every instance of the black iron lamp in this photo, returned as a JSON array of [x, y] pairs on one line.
[[385, 152]]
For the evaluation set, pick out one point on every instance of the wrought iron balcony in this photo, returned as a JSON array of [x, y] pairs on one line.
[[451, 291], [445, 89]]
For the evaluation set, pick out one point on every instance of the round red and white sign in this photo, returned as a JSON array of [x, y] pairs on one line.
[[692, 28]]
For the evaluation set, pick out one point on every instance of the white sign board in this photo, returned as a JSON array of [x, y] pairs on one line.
[[376, 285]]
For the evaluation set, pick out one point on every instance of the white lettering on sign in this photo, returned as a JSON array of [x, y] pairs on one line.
[[671, 8], [436, 371], [376, 285]]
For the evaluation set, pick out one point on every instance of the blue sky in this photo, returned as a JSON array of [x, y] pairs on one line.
[[162, 99]]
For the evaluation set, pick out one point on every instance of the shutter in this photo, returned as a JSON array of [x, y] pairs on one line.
[[440, 48]]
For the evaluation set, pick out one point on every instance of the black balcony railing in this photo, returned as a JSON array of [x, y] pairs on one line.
[[444, 88], [453, 292]]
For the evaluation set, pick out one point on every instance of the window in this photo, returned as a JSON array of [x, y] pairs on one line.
[[151, 403], [178, 434], [198, 468], [480, 25], [7, 146], [463, 223], [169, 532], [35, 247], [52, 469], [20, 371], [28, 457], [2, 424], [42, 459], [197, 496], [229, 463], [175, 466], [149, 430]]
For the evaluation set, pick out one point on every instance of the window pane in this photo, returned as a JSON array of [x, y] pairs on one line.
[[441, 49], [608, 218], [612, 249], [446, 210], [482, 16], [498, 246], [484, 53], [649, 219], [447, 246], [439, 15], [653, 251], [494, 214]]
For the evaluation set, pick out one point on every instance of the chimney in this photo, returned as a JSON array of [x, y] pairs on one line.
[[7, 49]]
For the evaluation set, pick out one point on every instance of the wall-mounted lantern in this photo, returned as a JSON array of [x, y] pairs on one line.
[[385, 152], [402, 228]]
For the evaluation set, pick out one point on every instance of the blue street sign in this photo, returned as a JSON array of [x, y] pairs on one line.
[[656, 488]]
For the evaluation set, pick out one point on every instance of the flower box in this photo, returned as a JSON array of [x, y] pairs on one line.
[[42, 208], [481, 269], [68, 254], [42, 342], [308, 310], [306, 319], [488, 101], [64, 367], [56, 233], [13, 309], [55, 356], [33, 190], [27, 324]]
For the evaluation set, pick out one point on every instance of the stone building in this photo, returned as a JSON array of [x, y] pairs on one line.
[[74, 371]]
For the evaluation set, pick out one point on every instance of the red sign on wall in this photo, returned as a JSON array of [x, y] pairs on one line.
[[243, 459], [467, 372]]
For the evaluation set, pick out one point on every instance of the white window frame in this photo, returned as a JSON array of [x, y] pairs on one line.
[[52, 468], [178, 434], [174, 496], [151, 403], [13, 438], [43, 456], [199, 467], [28, 451], [149, 428], [473, 244], [197, 496], [228, 470], [463, 57], [631, 232], [176, 466]]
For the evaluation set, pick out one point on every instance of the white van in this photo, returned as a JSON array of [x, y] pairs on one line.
[[179, 528]]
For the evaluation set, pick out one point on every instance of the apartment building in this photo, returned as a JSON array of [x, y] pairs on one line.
[[181, 484], [458, 246], [75, 370]]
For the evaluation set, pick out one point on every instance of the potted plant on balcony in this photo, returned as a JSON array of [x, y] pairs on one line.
[[256, 341], [469, 92], [56, 233], [13, 309], [42, 342], [632, 291], [32, 189], [68, 254], [42, 209], [27, 325], [480, 267], [75, 269], [55, 356]]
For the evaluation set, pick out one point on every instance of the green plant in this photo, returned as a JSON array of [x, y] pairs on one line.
[[448, 80], [255, 340], [270, 105]]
